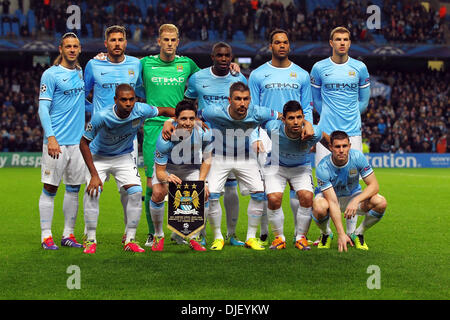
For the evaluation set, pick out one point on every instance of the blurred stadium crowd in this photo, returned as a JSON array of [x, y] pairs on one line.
[[237, 20], [415, 119]]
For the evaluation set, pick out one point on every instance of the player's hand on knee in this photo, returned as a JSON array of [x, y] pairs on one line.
[[342, 242], [258, 146], [174, 179], [95, 186], [351, 209], [53, 147]]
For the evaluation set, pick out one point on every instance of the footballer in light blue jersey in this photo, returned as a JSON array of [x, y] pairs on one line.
[[113, 136], [340, 191], [230, 132], [210, 88], [197, 143], [61, 104], [61, 112], [292, 152], [272, 87], [344, 179], [339, 89], [103, 76]]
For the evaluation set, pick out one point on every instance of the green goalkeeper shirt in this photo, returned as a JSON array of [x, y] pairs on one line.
[[165, 82]]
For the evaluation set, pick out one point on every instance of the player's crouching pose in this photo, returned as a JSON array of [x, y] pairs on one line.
[[185, 157], [338, 180], [106, 147], [289, 162]]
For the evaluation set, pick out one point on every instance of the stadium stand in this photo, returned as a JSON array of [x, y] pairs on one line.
[[413, 118], [238, 20]]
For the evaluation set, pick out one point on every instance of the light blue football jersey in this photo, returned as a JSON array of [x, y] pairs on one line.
[[345, 179], [64, 88], [272, 87], [289, 152], [104, 76], [113, 136], [211, 89], [187, 152], [232, 137], [339, 85]]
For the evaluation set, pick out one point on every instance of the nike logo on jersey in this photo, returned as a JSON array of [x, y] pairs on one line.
[[65, 79], [205, 86], [155, 67], [103, 73], [327, 74], [266, 75]]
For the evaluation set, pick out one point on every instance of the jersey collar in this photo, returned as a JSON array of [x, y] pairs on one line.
[[117, 116], [117, 63], [339, 64], [216, 76], [269, 63]]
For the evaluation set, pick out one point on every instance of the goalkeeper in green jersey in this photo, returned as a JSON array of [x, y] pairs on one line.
[[164, 78]]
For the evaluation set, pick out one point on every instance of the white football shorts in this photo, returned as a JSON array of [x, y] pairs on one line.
[[300, 178], [123, 169], [69, 166], [246, 171]]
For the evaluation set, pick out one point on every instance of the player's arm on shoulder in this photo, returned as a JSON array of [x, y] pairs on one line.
[[308, 130], [325, 140], [168, 129]]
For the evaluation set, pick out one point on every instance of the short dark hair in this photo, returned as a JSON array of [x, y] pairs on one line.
[[184, 105], [123, 87], [114, 29], [276, 31], [218, 45], [338, 135], [291, 106], [238, 86]]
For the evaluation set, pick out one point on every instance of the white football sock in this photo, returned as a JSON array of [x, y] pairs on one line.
[[134, 211], [293, 200], [324, 225], [303, 220], [231, 204], [46, 205], [70, 210], [276, 219], [255, 212], [264, 220], [351, 224], [372, 217], [124, 201], [215, 218], [91, 212], [157, 213]]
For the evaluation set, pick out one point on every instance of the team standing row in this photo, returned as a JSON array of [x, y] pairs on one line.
[[275, 106]]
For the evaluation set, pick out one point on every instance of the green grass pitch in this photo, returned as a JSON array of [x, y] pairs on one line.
[[408, 245]]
